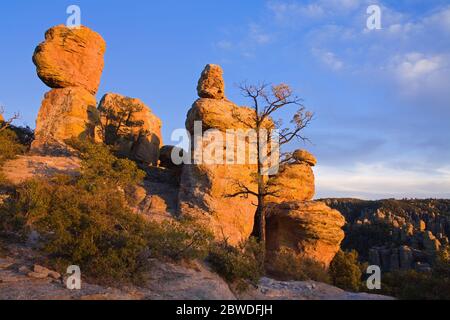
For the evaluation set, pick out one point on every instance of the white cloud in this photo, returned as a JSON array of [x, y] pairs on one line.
[[440, 19], [257, 34], [329, 59], [414, 66], [224, 45], [419, 74], [379, 180]]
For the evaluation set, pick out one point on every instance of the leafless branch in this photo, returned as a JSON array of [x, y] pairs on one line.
[[8, 122]]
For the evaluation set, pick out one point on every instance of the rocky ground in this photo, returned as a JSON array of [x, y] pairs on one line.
[[22, 279], [165, 282]]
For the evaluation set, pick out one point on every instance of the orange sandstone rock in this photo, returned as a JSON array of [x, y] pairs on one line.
[[294, 182], [143, 140], [70, 57], [64, 114], [211, 84], [312, 229]]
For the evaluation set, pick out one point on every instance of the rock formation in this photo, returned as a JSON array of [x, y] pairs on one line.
[[204, 187], [312, 229], [303, 156], [211, 84], [132, 127], [64, 113], [395, 234], [295, 181], [165, 156], [70, 61], [70, 57]]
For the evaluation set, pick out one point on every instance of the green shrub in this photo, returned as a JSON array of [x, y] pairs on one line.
[[241, 265], [9, 145], [413, 285], [180, 240], [84, 220], [93, 230], [345, 271], [288, 265], [100, 169]]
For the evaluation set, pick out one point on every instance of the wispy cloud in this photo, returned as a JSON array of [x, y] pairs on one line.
[[329, 59], [379, 180]]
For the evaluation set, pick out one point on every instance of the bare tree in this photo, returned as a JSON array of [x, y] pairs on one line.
[[266, 101], [6, 123]]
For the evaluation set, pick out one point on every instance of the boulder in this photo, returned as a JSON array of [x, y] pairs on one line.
[[304, 156], [294, 182], [204, 191], [165, 156], [221, 115], [64, 114], [211, 84], [139, 137], [311, 229], [70, 57]]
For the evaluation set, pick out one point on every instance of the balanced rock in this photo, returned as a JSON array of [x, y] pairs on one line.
[[304, 156], [312, 229], [64, 114], [294, 182], [211, 84], [206, 189], [70, 57], [139, 135]]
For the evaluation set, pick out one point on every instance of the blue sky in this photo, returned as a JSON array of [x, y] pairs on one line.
[[381, 97]]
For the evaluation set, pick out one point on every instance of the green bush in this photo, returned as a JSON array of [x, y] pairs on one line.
[[84, 220], [9, 145], [96, 231], [180, 240], [100, 169], [241, 265], [413, 285], [288, 265], [345, 271]]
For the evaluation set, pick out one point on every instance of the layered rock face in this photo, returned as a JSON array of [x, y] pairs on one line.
[[70, 57], [295, 181], [312, 229], [204, 187], [70, 61], [141, 138], [64, 113]]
